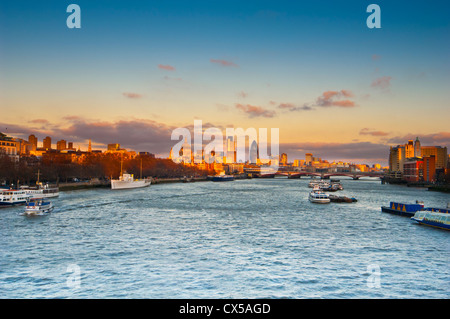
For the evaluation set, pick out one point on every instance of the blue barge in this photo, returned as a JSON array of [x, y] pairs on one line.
[[402, 209]]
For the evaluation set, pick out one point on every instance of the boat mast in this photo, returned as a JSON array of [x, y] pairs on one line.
[[38, 174], [121, 166]]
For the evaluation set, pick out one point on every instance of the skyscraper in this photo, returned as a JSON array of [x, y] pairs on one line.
[[397, 159], [61, 145], [254, 153], [47, 143], [439, 152], [417, 151], [308, 158], [33, 141]]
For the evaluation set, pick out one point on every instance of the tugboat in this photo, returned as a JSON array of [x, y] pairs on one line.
[[38, 208], [318, 197]]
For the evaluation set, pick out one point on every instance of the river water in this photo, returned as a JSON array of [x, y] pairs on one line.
[[258, 238]]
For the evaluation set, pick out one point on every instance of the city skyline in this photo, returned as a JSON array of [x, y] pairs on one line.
[[134, 72]]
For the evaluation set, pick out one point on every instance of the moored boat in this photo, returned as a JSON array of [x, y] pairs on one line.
[[318, 197], [38, 208], [12, 197], [222, 177], [403, 209], [127, 181], [41, 191]]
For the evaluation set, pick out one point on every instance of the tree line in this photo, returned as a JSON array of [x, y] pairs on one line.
[[59, 167]]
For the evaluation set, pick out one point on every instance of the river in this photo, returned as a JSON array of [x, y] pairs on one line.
[[257, 238]]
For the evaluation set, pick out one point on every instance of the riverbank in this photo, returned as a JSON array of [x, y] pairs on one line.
[[155, 180], [440, 188]]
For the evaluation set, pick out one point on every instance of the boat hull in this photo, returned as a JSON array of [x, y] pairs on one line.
[[222, 179], [432, 224], [117, 184], [396, 212], [15, 203]]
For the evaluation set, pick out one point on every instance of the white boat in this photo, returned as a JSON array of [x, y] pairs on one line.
[[321, 183], [127, 181], [38, 208], [11, 197], [41, 191], [319, 197]]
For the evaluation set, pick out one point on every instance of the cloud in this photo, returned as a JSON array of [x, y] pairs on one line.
[[331, 98], [350, 152], [292, 107], [168, 78], [376, 57], [382, 83], [166, 67], [131, 95], [255, 111], [242, 94], [366, 131], [224, 63], [433, 139], [39, 121]]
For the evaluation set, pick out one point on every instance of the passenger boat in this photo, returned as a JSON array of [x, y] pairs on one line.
[[321, 183], [318, 197], [403, 209], [38, 208], [433, 218], [11, 197], [41, 191]]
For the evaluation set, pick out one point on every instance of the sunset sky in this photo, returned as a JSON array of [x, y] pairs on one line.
[[138, 69]]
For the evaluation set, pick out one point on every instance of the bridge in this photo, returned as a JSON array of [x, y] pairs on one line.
[[324, 175]]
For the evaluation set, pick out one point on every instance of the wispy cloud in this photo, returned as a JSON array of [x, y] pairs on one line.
[[242, 94], [39, 121], [334, 98], [224, 63], [367, 131], [166, 67], [292, 107], [255, 111], [383, 83], [131, 95], [376, 57]]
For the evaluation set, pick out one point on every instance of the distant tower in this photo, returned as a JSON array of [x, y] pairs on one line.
[[254, 153], [33, 141], [47, 143], [90, 146], [417, 149]]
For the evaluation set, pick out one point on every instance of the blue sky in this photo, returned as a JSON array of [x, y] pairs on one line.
[[280, 52]]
